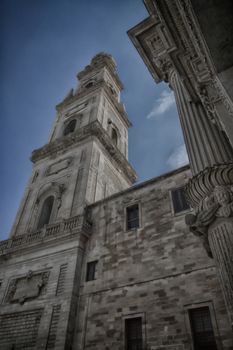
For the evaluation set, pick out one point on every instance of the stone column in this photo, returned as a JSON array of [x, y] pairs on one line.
[[210, 191], [206, 144]]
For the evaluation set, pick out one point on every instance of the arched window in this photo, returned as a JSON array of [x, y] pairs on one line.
[[70, 127], [46, 211], [90, 84], [114, 136]]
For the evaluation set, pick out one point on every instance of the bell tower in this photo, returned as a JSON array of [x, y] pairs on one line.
[[86, 158]]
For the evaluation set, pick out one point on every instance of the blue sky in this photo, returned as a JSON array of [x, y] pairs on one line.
[[44, 45]]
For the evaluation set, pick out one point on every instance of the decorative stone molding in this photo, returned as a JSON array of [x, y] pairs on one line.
[[218, 204], [55, 168], [186, 48], [80, 224], [26, 288], [92, 129], [209, 104], [200, 188]]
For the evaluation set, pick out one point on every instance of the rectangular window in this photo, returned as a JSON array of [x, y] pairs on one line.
[[91, 271], [202, 330], [133, 333], [132, 220], [179, 200]]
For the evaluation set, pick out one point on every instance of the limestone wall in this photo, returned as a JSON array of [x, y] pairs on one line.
[[158, 272]]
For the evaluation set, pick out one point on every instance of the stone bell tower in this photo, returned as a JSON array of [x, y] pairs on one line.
[[86, 157], [84, 161]]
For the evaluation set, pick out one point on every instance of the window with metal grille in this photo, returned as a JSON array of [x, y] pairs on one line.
[[202, 330], [179, 200], [132, 217], [91, 270], [133, 333]]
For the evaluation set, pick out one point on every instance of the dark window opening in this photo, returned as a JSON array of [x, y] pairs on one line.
[[132, 217], [91, 271], [179, 200], [46, 212], [70, 127], [133, 333], [114, 136], [202, 330], [89, 85]]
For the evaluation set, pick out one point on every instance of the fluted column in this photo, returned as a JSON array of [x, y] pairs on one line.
[[205, 142], [210, 191], [221, 244]]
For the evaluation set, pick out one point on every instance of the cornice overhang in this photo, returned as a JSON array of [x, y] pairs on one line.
[[137, 35], [85, 93], [171, 39], [93, 129]]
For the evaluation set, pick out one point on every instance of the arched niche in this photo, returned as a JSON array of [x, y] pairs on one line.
[[45, 213], [48, 202]]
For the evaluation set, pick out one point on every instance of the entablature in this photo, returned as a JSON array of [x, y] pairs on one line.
[[170, 39]]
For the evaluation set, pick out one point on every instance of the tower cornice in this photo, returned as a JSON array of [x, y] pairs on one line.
[[71, 98], [93, 129]]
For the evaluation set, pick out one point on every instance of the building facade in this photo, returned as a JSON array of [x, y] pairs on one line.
[[94, 262], [188, 44]]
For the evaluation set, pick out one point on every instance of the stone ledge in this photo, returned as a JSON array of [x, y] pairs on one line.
[[92, 129], [64, 228]]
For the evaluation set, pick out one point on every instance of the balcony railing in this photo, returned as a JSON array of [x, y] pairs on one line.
[[63, 228]]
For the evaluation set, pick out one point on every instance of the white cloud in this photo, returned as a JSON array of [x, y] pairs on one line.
[[178, 158], [165, 102]]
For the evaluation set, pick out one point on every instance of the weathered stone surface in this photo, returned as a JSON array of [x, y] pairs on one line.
[[157, 271]]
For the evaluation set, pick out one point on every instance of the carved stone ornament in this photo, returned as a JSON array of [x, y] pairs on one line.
[[201, 186], [26, 288], [218, 205], [209, 104], [165, 65]]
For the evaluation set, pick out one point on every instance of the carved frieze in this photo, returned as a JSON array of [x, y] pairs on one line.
[[28, 287]]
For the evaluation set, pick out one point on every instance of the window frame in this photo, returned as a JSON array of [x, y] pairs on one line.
[[141, 315], [126, 229], [174, 213], [213, 319], [95, 262]]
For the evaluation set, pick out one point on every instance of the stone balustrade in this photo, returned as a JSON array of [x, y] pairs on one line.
[[63, 228]]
